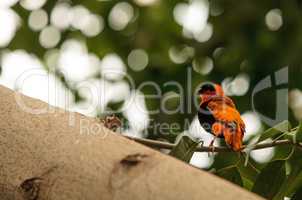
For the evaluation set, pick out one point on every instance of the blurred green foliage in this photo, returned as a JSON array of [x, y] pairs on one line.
[[241, 43], [248, 45], [277, 179]]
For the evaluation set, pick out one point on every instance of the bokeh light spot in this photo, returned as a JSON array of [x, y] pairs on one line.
[[32, 4], [263, 155], [252, 123], [273, 19], [180, 55], [201, 160], [204, 66], [138, 59], [79, 15], [205, 34], [51, 58], [76, 63], [38, 19], [49, 37], [241, 84], [9, 22], [93, 26], [112, 67], [238, 86], [135, 103], [120, 15], [215, 8], [193, 18], [145, 2], [61, 16], [7, 3], [295, 103]]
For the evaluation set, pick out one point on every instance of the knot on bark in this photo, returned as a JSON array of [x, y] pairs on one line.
[[30, 188]]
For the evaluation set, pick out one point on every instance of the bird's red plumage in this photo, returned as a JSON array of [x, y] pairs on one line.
[[228, 123]]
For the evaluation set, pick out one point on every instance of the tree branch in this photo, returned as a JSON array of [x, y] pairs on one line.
[[167, 145], [43, 157]]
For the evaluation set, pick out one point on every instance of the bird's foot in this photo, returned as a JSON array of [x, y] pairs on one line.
[[212, 147], [200, 142]]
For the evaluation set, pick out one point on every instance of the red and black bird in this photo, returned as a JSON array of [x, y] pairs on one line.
[[218, 115]]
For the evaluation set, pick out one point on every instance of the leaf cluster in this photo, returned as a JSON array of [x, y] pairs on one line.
[[279, 178]]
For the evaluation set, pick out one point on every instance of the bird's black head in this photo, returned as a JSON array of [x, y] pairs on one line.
[[207, 88], [210, 89]]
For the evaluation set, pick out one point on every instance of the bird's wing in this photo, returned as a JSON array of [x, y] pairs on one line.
[[224, 112], [233, 127]]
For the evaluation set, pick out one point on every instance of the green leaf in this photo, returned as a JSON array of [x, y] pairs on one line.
[[249, 171], [295, 135], [270, 179], [247, 184], [231, 174], [275, 131], [299, 133], [184, 149], [290, 186], [294, 179], [297, 195], [291, 135], [283, 152]]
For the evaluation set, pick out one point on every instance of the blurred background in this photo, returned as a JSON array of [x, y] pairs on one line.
[[120, 56]]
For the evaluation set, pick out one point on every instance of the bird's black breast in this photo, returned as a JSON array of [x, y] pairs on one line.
[[206, 119]]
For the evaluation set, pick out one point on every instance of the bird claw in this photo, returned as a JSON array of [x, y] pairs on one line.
[[212, 147], [201, 142]]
